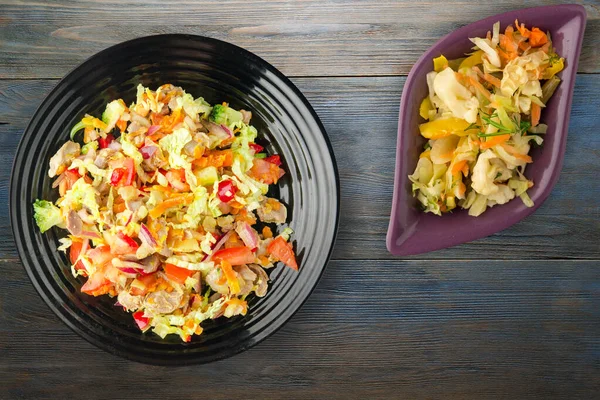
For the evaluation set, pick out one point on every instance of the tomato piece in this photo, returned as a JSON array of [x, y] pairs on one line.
[[141, 321], [226, 190], [117, 176], [274, 159], [71, 176], [177, 180], [97, 284], [148, 151], [130, 167], [283, 251], [104, 142], [265, 171], [144, 283], [130, 242], [74, 252], [176, 273], [235, 255], [100, 255], [256, 147]]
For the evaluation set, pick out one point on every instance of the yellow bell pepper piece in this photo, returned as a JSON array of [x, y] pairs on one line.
[[554, 69], [426, 154], [93, 122], [440, 63], [440, 128], [425, 107], [471, 61]]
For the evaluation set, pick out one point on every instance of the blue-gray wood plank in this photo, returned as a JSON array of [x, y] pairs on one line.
[[514, 315]]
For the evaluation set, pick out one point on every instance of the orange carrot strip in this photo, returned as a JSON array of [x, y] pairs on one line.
[[536, 112], [122, 125], [490, 78], [461, 188], [522, 30], [458, 167], [230, 275], [480, 87], [493, 141], [537, 38], [516, 154], [465, 170], [170, 203]]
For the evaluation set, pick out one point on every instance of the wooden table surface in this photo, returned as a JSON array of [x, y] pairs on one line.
[[514, 315]]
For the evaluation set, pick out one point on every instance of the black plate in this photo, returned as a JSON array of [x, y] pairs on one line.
[[217, 71]]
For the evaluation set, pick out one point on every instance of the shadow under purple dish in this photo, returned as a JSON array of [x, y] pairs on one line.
[[411, 230]]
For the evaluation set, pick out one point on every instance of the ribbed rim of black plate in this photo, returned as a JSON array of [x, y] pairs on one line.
[[35, 249]]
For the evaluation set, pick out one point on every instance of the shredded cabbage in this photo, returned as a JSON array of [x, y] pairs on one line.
[[173, 144]]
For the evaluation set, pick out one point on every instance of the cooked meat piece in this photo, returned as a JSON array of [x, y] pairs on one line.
[[65, 154]]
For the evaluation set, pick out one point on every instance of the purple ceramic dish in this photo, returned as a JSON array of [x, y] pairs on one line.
[[412, 231]]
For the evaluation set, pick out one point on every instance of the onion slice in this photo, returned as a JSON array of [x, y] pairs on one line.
[[146, 237], [152, 129], [248, 235], [218, 245]]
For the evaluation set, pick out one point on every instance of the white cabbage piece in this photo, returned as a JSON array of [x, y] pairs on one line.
[[456, 97], [489, 51], [173, 144], [423, 172], [484, 174], [442, 150], [503, 195]]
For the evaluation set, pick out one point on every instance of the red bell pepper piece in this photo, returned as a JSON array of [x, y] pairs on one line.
[[141, 321], [274, 159], [226, 190], [104, 142]]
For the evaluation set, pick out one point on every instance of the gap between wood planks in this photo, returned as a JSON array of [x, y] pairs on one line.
[[287, 76]]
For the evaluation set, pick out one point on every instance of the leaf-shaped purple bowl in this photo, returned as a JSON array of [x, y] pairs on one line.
[[411, 231]]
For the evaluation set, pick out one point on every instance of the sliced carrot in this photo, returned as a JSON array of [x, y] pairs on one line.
[[181, 200], [170, 121], [493, 141], [516, 154], [462, 189], [487, 77], [164, 189], [215, 158], [155, 137], [267, 232], [244, 216], [536, 112], [465, 170], [456, 168], [232, 280], [122, 125], [523, 46], [480, 87], [537, 38], [522, 30], [492, 79]]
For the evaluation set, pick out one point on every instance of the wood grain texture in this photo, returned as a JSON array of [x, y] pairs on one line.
[[360, 115], [512, 316], [46, 39], [380, 329]]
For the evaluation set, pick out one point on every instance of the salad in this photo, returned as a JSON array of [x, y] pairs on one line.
[[166, 209], [482, 115]]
